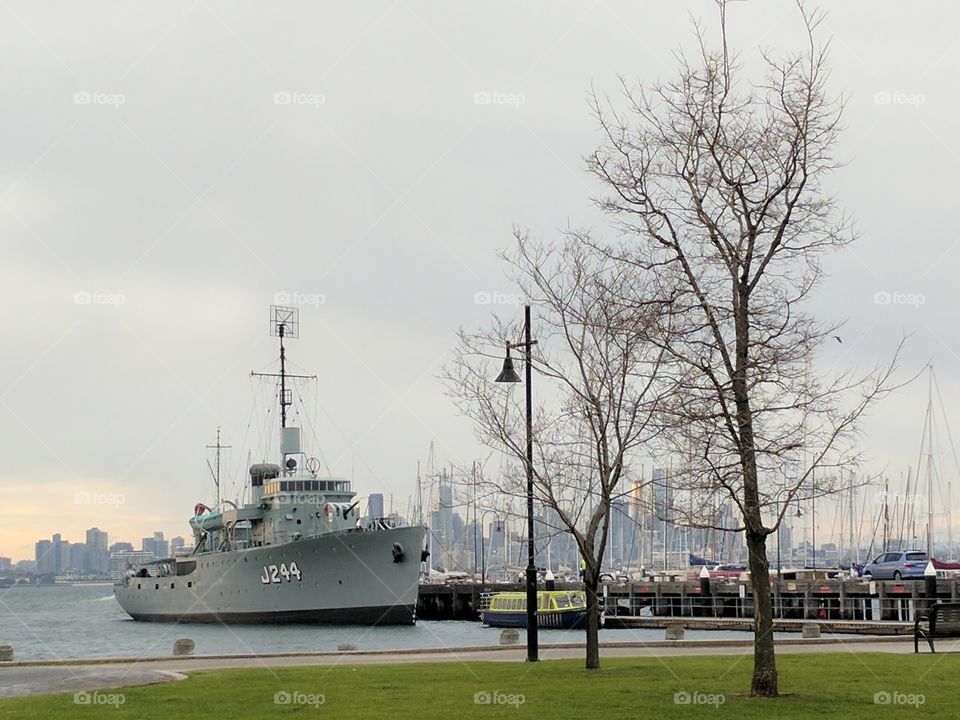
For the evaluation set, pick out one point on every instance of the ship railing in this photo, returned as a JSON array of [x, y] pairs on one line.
[[484, 602]]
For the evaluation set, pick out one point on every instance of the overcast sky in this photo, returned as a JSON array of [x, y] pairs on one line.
[[167, 169]]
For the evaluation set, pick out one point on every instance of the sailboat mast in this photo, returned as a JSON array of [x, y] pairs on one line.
[[886, 511], [854, 550]]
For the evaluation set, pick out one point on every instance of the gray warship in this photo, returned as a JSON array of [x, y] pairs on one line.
[[297, 552]]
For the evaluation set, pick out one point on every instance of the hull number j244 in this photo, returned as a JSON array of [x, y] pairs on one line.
[[279, 573]]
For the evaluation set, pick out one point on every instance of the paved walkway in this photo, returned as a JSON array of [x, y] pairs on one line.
[[48, 677], [41, 680]]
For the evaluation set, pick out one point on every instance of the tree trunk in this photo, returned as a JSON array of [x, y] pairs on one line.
[[764, 661], [593, 623]]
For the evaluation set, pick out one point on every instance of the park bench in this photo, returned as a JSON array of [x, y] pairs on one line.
[[942, 619]]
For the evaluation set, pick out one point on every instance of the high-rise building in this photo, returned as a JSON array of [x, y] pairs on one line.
[[178, 546], [43, 554], [77, 558], [375, 506], [61, 553], [445, 520], [98, 555], [622, 539], [5, 564], [52, 556], [156, 545]]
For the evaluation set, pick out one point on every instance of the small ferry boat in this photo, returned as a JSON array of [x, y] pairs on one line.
[[555, 609]]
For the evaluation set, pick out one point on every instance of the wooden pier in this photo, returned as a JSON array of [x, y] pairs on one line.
[[881, 607]]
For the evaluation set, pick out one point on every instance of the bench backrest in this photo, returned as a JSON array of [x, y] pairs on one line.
[[945, 617]]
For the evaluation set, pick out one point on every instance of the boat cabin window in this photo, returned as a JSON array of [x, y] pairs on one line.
[[577, 601], [276, 486], [563, 601], [185, 568]]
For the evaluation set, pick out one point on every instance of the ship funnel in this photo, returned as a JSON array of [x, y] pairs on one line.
[[290, 441]]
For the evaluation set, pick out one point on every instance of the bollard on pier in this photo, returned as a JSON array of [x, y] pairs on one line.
[[184, 646], [930, 584]]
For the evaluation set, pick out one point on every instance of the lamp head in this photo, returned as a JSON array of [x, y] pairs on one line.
[[508, 374]]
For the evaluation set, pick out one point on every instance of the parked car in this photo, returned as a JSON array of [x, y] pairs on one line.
[[727, 572], [897, 565]]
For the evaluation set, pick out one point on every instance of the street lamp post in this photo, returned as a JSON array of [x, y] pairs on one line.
[[508, 374]]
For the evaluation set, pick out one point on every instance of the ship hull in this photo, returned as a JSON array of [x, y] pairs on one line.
[[559, 620], [347, 578]]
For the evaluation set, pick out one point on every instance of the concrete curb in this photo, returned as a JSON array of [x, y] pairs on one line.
[[479, 649]]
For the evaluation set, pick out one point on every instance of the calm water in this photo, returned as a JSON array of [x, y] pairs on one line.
[[84, 621]]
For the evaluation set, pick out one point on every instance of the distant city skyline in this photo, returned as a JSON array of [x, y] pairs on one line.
[[59, 555]]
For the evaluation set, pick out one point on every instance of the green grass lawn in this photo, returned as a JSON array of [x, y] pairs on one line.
[[835, 685]]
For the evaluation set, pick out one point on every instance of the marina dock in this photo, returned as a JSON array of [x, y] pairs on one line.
[[840, 605]]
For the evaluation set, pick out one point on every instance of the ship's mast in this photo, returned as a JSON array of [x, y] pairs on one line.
[[283, 379], [284, 323], [216, 474]]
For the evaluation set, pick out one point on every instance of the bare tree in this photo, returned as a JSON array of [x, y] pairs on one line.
[[592, 414], [717, 181]]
